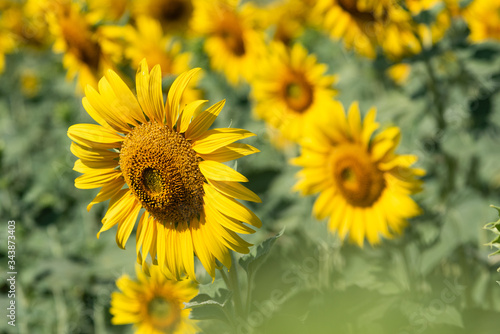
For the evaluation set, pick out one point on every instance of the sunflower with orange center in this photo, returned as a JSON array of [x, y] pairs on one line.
[[290, 89], [364, 186], [154, 156], [85, 54], [231, 43], [364, 25], [153, 303]]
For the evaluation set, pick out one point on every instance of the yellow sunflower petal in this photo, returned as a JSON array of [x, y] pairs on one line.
[[92, 154], [107, 191], [126, 226], [102, 107], [188, 252], [227, 222], [231, 207], [186, 115], [127, 98], [97, 179], [150, 97], [219, 172], [175, 95], [214, 139], [354, 121], [94, 136], [86, 166], [119, 108], [203, 121], [229, 152], [236, 190], [120, 205]]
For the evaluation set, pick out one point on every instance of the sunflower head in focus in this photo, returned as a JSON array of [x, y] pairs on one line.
[[290, 89], [483, 19], [174, 15], [231, 43], [364, 186], [153, 303], [364, 25], [81, 44], [145, 153]]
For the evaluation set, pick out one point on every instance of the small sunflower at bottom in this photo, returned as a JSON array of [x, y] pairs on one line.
[[153, 303], [364, 185], [160, 157]]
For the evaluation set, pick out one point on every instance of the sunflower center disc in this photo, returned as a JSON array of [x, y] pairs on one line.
[[172, 10], [357, 178], [80, 43], [162, 170], [351, 6], [161, 313], [298, 94], [231, 34]]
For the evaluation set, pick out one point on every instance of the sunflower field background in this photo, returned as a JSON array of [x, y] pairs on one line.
[[348, 261]]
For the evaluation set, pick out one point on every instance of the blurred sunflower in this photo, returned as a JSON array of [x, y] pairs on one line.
[[24, 26], [174, 15], [231, 43], [365, 24], [399, 73], [483, 18], [107, 10], [290, 89], [7, 45], [171, 166], [85, 54], [149, 41], [364, 186], [286, 20], [154, 304]]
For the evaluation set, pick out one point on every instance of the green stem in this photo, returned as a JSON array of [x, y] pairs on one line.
[[235, 285], [225, 278], [436, 96], [249, 294]]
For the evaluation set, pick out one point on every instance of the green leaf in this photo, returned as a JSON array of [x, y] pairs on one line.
[[205, 306], [252, 261]]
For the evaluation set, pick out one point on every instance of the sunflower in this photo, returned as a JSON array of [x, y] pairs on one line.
[[153, 303], [286, 19], [107, 10], [290, 89], [145, 154], [364, 186], [399, 73], [364, 25], [232, 44], [82, 45], [483, 18], [26, 28], [149, 41], [7, 44], [174, 15]]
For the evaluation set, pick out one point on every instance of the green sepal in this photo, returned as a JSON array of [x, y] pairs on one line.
[[252, 261], [210, 305]]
